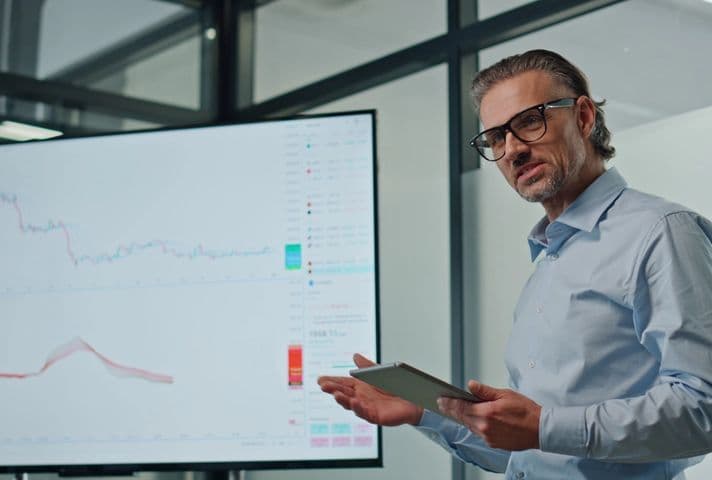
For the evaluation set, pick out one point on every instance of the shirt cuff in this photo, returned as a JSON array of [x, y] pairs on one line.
[[563, 430], [439, 428], [430, 419]]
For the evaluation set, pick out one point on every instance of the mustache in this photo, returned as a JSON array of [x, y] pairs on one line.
[[522, 159]]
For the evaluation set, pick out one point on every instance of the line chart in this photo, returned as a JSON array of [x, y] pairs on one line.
[[121, 251], [79, 345]]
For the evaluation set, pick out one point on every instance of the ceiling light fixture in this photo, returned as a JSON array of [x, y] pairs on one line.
[[22, 132]]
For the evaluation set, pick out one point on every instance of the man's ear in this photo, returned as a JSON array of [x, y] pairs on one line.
[[586, 119]]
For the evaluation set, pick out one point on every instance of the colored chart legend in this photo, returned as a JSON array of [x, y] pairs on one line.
[[296, 372], [293, 256]]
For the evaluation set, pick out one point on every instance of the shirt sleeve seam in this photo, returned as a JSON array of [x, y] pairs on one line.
[[638, 260]]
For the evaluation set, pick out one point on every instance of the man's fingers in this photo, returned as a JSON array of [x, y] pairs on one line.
[[334, 387], [362, 362], [345, 381], [477, 426], [459, 409], [482, 391], [343, 400]]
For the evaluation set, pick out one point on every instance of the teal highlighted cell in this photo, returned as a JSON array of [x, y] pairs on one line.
[[293, 256], [319, 428], [340, 428]]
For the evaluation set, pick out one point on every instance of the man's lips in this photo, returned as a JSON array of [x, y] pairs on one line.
[[527, 171]]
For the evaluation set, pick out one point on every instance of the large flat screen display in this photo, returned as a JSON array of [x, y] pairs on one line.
[[169, 298]]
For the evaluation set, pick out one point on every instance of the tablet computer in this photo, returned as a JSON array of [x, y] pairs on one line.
[[409, 383]]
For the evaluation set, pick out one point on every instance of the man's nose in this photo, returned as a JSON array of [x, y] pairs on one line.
[[515, 149]]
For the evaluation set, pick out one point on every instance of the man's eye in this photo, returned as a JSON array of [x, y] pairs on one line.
[[528, 120], [495, 137]]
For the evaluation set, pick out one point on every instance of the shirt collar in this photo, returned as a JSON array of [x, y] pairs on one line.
[[584, 213]]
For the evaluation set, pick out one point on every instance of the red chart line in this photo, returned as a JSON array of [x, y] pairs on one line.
[[79, 345]]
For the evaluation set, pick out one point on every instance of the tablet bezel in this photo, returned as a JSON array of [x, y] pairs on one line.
[[409, 383]]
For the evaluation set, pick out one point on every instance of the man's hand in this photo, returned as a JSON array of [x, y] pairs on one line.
[[505, 419], [368, 402]]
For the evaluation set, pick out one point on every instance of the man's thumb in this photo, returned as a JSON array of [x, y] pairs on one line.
[[362, 361], [482, 391]]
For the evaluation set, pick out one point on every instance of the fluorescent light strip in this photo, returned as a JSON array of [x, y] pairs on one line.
[[22, 132]]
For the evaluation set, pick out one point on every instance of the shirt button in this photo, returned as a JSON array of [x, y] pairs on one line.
[[539, 309], [520, 474], [552, 256], [532, 364]]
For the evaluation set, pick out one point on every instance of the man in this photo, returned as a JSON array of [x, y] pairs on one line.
[[610, 356]]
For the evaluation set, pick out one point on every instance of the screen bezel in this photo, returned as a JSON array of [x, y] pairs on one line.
[[130, 468]]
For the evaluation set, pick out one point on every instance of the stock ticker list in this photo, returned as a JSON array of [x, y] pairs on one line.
[[330, 243]]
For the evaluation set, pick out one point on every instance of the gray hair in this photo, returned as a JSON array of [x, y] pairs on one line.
[[561, 71]]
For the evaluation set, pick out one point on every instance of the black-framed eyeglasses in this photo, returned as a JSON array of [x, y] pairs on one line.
[[528, 126]]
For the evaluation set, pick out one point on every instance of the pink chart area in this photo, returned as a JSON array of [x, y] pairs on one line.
[[79, 345]]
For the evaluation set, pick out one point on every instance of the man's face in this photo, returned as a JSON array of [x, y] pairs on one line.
[[542, 170]]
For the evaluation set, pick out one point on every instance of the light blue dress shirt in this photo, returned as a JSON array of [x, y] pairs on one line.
[[612, 336]]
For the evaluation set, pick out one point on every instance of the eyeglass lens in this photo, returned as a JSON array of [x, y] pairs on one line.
[[528, 126]]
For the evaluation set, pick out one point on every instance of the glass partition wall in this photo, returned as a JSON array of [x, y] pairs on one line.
[[90, 66], [87, 66]]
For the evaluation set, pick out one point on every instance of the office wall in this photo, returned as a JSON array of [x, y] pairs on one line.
[[670, 157]]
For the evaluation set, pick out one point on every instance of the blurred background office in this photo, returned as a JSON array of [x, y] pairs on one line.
[[453, 254]]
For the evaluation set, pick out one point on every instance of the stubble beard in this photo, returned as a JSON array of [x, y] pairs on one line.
[[553, 183], [551, 186]]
